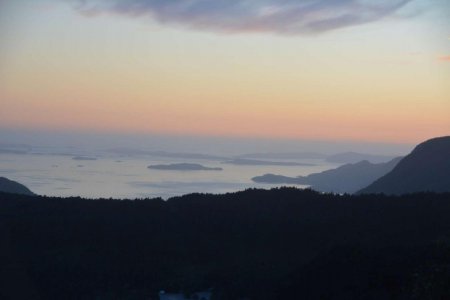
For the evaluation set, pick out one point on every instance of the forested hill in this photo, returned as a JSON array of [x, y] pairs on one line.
[[257, 244]]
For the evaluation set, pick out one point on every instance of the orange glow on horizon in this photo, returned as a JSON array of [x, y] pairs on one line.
[[62, 70]]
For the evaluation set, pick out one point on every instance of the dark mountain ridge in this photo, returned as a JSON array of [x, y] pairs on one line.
[[426, 168]]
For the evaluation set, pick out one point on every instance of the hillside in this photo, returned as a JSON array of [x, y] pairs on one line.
[[348, 178], [426, 168], [10, 186], [257, 244]]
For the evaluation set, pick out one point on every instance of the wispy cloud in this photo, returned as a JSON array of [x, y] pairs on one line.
[[445, 58], [276, 16]]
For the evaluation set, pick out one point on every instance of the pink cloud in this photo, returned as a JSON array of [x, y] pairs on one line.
[[282, 17], [445, 58]]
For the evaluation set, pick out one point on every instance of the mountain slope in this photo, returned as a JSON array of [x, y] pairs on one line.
[[9, 186], [426, 168], [348, 178]]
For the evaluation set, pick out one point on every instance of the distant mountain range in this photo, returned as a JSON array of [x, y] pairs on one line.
[[339, 158], [184, 155], [184, 167], [246, 159], [354, 157], [255, 162], [13, 187], [8, 148], [83, 158], [426, 168], [285, 155], [348, 178]]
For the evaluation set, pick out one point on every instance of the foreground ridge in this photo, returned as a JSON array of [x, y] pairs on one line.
[[258, 244]]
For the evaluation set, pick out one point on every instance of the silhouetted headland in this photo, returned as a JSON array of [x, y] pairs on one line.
[[348, 178], [426, 168], [10, 186]]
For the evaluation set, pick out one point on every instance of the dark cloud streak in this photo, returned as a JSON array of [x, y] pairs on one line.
[[276, 16]]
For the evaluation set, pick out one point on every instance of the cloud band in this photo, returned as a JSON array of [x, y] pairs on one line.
[[276, 16]]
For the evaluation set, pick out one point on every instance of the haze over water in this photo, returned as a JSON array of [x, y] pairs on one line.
[[47, 165]]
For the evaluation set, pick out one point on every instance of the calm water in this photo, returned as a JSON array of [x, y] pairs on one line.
[[129, 177]]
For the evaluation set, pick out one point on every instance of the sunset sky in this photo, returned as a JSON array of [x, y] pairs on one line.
[[314, 69]]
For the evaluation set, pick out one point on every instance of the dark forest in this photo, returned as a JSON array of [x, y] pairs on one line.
[[278, 244]]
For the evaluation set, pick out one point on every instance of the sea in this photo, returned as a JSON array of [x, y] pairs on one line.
[[119, 176], [114, 165]]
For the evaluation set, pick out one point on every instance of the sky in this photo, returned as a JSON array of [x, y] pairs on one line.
[[357, 70]]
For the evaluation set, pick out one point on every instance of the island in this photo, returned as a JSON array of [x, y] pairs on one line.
[[184, 167]]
